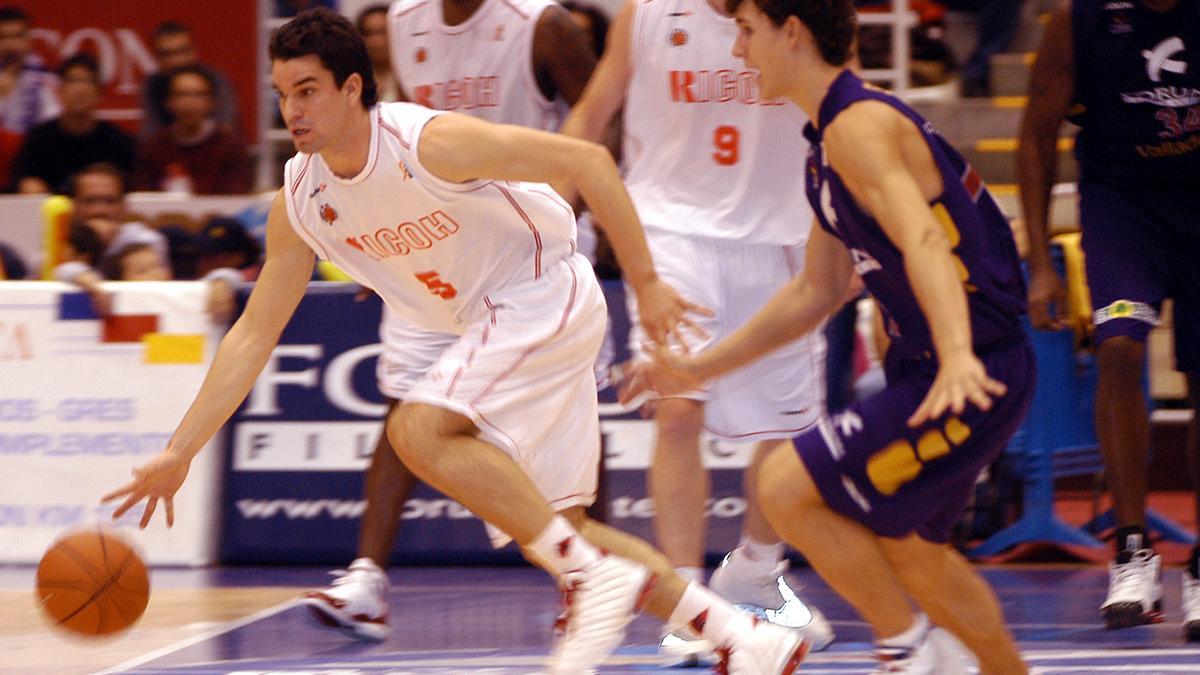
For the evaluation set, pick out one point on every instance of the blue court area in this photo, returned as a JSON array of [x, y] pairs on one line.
[[497, 621]]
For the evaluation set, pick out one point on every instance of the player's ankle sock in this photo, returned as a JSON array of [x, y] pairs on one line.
[[1128, 541], [691, 574], [710, 616], [754, 559], [563, 548], [909, 638], [1193, 566]]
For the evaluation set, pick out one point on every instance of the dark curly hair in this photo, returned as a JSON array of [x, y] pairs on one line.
[[833, 23], [331, 38]]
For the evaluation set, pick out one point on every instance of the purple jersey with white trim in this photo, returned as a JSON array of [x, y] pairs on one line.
[[981, 241]]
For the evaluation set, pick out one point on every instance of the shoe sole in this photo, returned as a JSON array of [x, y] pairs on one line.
[[1130, 614], [328, 617], [793, 662]]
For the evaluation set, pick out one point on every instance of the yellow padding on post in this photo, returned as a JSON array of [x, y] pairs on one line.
[[56, 216], [892, 467], [162, 348], [1078, 312]]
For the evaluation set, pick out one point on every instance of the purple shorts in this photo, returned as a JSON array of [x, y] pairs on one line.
[[870, 466], [1141, 247]]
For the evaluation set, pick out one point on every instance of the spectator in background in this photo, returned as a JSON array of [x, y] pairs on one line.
[[26, 85], [12, 266], [592, 20], [136, 262], [194, 154], [225, 244], [372, 25], [285, 8], [995, 23], [173, 48], [54, 150]]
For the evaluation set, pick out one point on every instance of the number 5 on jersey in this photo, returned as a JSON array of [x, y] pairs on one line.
[[436, 286]]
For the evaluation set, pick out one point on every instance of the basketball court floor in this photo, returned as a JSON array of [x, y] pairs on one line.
[[497, 621]]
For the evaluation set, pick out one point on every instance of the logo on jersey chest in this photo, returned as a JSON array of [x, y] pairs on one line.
[[677, 37], [465, 93], [318, 190], [1159, 59], [716, 86], [498, 36], [328, 214], [405, 238], [421, 55]]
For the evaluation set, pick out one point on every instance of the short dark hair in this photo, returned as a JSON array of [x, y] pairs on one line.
[[833, 23], [192, 69], [170, 28], [80, 60], [113, 266], [8, 14], [102, 168], [331, 38], [83, 238], [380, 8]]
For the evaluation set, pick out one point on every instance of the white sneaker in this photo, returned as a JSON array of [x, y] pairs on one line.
[[1134, 591], [770, 599], [921, 659], [356, 604], [682, 649], [1191, 607], [600, 601], [767, 650], [952, 656]]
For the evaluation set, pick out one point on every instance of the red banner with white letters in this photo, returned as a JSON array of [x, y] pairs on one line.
[[119, 35]]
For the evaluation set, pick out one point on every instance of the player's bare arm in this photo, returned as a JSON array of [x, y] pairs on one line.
[[605, 92], [794, 310], [241, 356], [458, 148], [1051, 89], [562, 59], [888, 168]]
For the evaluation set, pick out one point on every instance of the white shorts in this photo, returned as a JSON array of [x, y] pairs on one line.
[[524, 377], [781, 394], [408, 353]]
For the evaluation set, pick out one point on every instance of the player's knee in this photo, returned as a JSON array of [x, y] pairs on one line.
[[679, 418], [1122, 359], [785, 489]]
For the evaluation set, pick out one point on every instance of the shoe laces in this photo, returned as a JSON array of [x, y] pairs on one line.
[[1132, 572], [356, 575]]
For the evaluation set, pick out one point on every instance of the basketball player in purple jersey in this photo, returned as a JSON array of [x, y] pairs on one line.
[[1129, 74], [871, 495]]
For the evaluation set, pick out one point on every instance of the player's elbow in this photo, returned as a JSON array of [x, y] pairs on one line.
[[587, 161]]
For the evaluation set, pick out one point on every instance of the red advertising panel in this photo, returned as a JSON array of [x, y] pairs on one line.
[[118, 33]]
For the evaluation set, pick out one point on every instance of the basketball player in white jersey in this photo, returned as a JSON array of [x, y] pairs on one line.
[[432, 210], [711, 167], [445, 55]]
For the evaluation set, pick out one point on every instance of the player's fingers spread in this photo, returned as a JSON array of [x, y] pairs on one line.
[[151, 505], [698, 309], [981, 399], [170, 504], [117, 493], [995, 387], [677, 337], [129, 503], [695, 328]]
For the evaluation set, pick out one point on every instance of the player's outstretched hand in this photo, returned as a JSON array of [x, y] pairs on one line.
[[1046, 298], [669, 373], [959, 380], [160, 478], [663, 311]]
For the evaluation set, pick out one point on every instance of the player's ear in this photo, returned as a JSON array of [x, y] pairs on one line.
[[353, 86], [793, 30]]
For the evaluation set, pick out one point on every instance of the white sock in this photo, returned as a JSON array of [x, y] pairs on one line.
[[710, 616], [691, 574], [563, 548], [755, 559], [909, 638]]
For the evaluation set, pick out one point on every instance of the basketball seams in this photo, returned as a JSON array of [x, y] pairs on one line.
[[107, 584]]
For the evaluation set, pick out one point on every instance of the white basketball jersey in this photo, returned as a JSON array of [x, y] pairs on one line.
[[432, 249], [704, 153], [482, 67]]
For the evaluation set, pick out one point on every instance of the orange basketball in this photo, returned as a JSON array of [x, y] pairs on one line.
[[91, 582]]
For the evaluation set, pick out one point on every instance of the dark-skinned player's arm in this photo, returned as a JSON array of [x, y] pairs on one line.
[[459, 149], [241, 356], [887, 166], [1051, 90], [561, 55]]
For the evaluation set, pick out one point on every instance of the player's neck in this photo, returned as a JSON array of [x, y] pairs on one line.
[[809, 86], [348, 157], [455, 12]]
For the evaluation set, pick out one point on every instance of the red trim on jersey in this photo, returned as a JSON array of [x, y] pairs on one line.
[[973, 182], [300, 176], [537, 236], [573, 496], [497, 430], [513, 7], [555, 199], [492, 309], [764, 431], [525, 354]]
